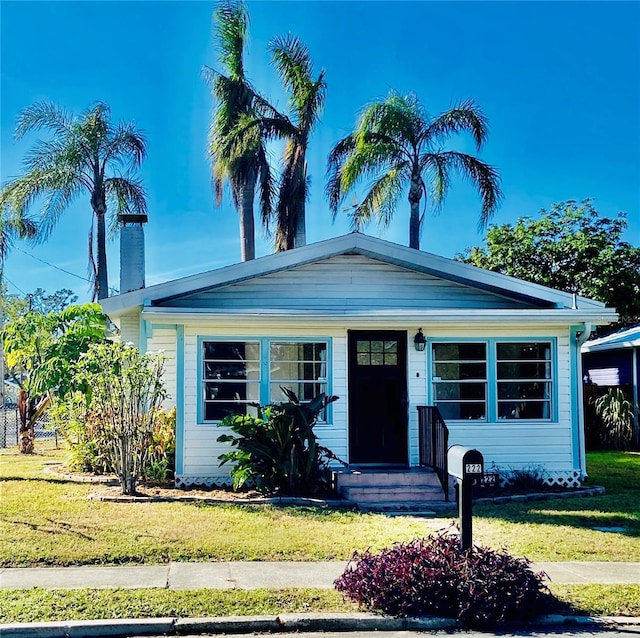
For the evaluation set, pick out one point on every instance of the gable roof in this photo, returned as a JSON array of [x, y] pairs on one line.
[[627, 338], [356, 244]]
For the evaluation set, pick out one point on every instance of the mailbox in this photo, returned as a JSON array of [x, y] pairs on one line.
[[465, 462]]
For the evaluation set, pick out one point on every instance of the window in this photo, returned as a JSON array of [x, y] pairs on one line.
[[493, 380], [238, 373], [230, 377], [460, 380], [524, 380], [377, 353]]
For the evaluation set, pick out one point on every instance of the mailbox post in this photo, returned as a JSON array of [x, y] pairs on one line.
[[466, 464]]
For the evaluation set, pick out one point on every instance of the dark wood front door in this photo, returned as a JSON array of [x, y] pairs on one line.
[[377, 397]]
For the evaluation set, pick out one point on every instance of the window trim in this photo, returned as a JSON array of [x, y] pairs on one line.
[[492, 377], [265, 380]]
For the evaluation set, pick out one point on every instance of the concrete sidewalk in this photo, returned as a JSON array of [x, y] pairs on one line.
[[262, 575]]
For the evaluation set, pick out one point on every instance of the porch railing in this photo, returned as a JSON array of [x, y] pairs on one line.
[[434, 443]]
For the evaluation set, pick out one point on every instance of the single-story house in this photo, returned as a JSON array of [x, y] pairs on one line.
[[387, 329], [614, 361]]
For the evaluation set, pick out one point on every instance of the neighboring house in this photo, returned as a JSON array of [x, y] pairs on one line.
[[614, 361], [501, 360]]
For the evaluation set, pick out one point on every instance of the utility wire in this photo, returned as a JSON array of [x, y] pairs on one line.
[[51, 265], [14, 285]]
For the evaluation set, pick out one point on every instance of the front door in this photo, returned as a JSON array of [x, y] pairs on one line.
[[377, 397]]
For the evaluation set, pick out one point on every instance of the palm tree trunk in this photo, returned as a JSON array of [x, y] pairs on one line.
[[415, 194], [99, 205], [247, 224], [300, 238]]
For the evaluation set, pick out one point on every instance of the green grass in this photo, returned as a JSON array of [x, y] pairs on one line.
[[560, 530], [45, 520], [30, 605]]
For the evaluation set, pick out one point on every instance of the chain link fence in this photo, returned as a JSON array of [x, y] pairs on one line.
[[10, 427]]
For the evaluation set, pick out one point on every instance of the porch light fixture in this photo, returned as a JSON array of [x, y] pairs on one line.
[[420, 341]]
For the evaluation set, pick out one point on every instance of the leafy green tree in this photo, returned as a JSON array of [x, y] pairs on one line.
[[41, 351], [84, 154], [15, 306], [397, 147], [572, 248], [244, 166]]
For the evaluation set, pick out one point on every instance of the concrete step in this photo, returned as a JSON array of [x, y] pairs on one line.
[[392, 493], [424, 478]]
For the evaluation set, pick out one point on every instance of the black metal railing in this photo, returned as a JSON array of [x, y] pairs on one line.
[[434, 443]]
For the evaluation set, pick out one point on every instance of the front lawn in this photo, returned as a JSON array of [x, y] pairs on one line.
[[30, 605], [46, 520]]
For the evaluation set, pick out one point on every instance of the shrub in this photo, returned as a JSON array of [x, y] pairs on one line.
[[278, 451], [526, 479], [124, 390], [616, 413], [160, 462], [479, 587]]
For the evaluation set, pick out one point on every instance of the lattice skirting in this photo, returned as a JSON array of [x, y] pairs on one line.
[[563, 479], [208, 481], [552, 479]]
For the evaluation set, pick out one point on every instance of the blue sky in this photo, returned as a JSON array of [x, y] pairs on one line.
[[559, 82]]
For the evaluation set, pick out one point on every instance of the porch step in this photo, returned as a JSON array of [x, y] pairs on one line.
[[392, 494], [391, 489]]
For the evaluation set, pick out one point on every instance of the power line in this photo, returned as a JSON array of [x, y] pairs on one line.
[[14, 285], [51, 265]]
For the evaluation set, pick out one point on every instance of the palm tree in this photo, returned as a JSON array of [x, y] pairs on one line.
[[85, 154], [244, 166], [397, 145], [306, 101]]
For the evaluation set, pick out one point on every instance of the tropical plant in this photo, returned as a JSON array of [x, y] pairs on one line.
[[162, 448], [306, 102], [277, 451], [397, 145], [570, 247], [41, 351], [85, 153], [124, 390], [479, 587], [616, 413], [244, 166]]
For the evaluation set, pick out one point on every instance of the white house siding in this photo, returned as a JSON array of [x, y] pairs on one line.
[[129, 326], [163, 339], [351, 282], [527, 444], [508, 445], [201, 449]]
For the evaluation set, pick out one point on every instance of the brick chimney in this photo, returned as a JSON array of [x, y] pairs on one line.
[[131, 251]]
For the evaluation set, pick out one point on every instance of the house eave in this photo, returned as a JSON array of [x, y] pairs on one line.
[[387, 317], [354, 243]]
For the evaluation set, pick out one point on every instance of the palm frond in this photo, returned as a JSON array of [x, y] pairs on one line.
[[437, 169], [231, 20], [466, 116], [128, 195], [380, 201], [293, 63], [43, 115], [125, 146], [484, 177]]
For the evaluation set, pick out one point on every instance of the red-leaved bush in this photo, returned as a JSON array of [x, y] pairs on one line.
[[479, 587]]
